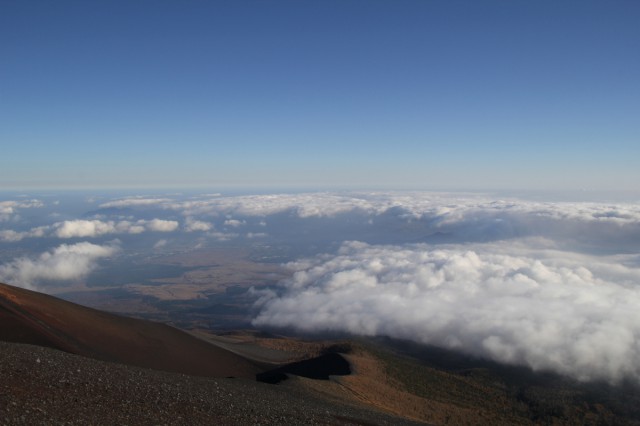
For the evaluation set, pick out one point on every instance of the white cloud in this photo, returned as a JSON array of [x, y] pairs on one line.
[[13, 236], [587, 227], [440, 208], [84, 228], [302, 205], [9, 209], [459, 217], [131, 228], [547, 309], [389, 216], [193, 225], [65, 262], [135, 202], [81, 228], [160, 225]]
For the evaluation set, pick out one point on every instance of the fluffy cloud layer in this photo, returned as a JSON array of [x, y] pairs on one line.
[[9, 208], [91, 228], [482, 215], [81, 228], [95, 228], [547, 309], [194, 225], [158, 225], [65, 262], [455, 217], [443, 207], [10, 235], [134, 202]]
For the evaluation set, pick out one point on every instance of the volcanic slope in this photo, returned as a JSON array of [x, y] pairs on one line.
[[43, 386], [362, 381], [35, 318]]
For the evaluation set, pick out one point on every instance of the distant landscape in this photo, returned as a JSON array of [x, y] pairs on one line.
[[440, 299]]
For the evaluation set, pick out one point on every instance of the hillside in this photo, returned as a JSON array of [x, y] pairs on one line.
[[53, 369], [308, 381], [42, 386], [36, 318]]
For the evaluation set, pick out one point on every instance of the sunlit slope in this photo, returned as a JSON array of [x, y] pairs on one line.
[[36, 318]]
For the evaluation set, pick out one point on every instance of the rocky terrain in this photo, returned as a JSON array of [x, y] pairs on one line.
[[42, 386], [62, 363]]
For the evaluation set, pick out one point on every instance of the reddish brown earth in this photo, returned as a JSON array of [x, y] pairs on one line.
[[35, 318], [44, 381]]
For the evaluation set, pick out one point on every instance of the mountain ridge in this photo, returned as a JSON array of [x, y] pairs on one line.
[[36, 318]]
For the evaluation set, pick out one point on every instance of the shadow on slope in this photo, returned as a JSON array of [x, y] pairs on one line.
[[539, 397], [319, 368]]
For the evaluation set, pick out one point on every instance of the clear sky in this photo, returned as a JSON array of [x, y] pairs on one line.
[[395, 94]]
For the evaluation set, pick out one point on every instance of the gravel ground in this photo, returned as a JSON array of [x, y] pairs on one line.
[[41, 386]]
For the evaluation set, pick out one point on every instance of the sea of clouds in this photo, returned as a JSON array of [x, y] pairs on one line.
[[549, 285], [514, 302], [62, 263]]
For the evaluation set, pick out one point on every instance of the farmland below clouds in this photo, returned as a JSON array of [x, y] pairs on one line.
[[546, 284]]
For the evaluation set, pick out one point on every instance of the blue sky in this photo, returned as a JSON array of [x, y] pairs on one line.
[[320, 94]]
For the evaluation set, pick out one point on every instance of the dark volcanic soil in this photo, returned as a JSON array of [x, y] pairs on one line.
[[44, 386]]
